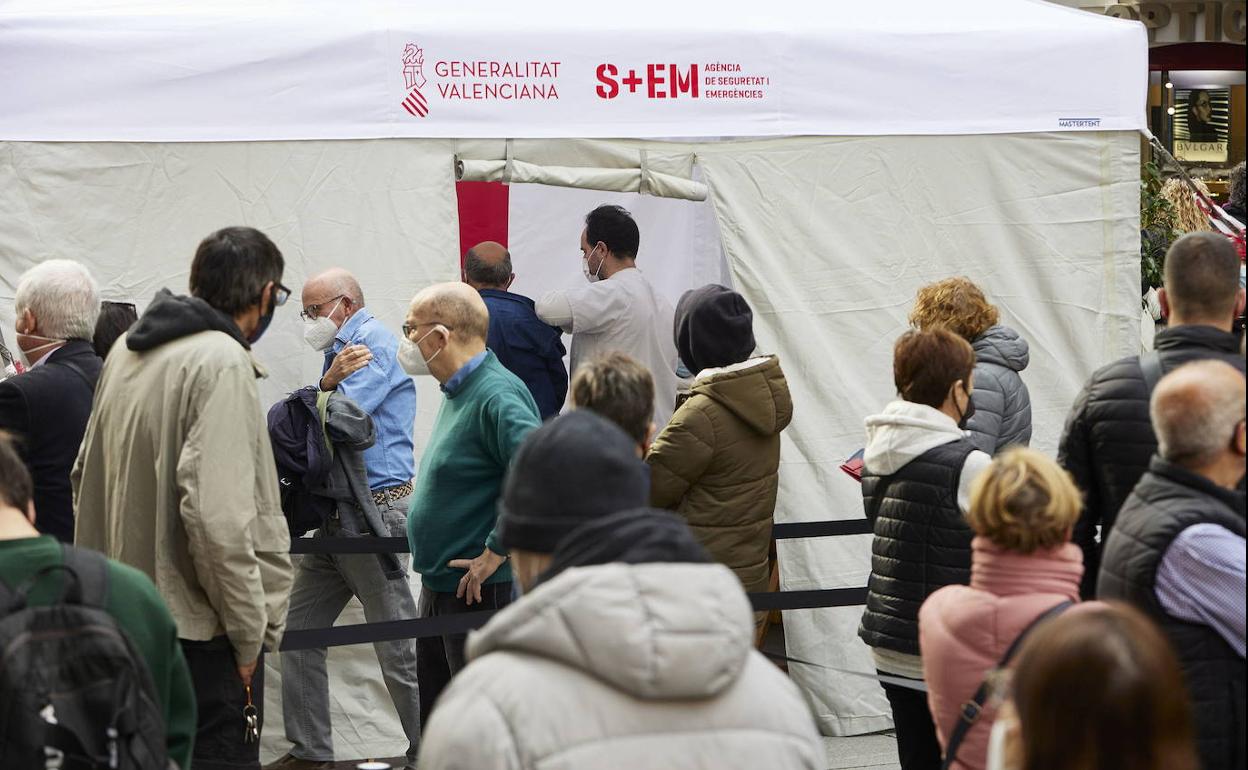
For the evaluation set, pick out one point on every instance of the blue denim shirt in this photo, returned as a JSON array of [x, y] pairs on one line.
[[387, 393]]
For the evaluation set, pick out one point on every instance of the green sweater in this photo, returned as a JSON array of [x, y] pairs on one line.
[[140, 614], [454, 506]]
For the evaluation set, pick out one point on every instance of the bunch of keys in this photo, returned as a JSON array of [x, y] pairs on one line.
[[252, 716]]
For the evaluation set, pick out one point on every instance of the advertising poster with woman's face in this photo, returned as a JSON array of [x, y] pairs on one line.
[[1201, 119]]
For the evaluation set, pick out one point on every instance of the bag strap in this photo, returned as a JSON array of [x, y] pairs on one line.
[[76, 369], [8, 600], [86, 582], [1150, 365], [971, 710], [90, 571]]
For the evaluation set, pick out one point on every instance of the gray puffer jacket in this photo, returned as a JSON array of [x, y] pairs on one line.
[[622, 667], [1002, 404]]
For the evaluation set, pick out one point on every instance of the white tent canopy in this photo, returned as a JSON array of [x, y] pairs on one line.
[[243, 71], [893, 144]]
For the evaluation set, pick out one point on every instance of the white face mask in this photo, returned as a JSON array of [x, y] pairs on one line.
[[595, 276], [319, 333], [24, 356], [410, 357]]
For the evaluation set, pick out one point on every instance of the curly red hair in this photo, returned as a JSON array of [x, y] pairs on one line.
[[958, 305]]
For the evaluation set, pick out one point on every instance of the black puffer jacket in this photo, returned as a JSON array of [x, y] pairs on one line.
[[1002, 403], [918, 468], [1167, 501], [1109, 439]]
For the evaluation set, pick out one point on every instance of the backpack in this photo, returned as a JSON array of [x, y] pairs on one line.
[[74, 693]]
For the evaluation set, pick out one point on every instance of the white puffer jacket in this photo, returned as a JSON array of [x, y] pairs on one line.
[[622, 667]]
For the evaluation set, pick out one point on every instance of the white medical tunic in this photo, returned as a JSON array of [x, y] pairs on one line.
[[620, 314]]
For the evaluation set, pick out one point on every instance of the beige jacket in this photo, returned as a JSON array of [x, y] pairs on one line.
[[620, 667], [176, 478]]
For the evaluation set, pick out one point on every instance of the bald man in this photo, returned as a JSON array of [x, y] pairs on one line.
[[1177, 549], [529, 347], [360, 363], [486, 412]]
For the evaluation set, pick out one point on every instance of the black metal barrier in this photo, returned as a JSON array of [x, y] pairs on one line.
[[418, 628]]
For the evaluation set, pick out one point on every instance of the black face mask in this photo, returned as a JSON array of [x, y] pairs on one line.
[[265, 318], [970, 410]]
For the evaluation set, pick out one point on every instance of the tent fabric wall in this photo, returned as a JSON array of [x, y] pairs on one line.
[[1047, 224], [827, 238]]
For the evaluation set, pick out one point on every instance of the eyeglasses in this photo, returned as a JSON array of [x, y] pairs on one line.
[[408, 329], [280, 295], [312, 311]]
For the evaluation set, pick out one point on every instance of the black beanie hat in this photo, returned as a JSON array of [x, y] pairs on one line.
[[575, 468], [714, 327]]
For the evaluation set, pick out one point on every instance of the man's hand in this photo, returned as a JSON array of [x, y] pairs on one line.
[[349, 360], [248, 671], [478, 571]]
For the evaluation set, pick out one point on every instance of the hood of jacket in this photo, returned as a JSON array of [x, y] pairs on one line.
[[1002, 346], [903, 432], [653, 631], [172, 316], [754, 390]]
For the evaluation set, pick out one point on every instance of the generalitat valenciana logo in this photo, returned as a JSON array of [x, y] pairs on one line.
[[414, 80]]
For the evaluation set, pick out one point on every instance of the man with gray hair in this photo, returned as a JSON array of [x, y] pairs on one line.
[[530, 348], [1177, 550], [47, 407]]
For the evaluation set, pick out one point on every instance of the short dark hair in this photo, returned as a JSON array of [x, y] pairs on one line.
[[614, 226], [231, 267], [479, 271], [115, 319], [1202, 276], [618, 388], [926, 363], [16, 488]]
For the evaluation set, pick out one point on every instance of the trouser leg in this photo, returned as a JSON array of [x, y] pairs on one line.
[[319, 595], [219, 698], [432, 669], [917, 746], [386, 599], [494, 596]]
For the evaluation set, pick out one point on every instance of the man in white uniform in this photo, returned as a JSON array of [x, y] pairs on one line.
[[618, 311]]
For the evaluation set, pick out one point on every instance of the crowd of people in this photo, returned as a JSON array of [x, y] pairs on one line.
[[1021, 612]]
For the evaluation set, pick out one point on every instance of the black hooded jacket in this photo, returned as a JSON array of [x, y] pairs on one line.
[[172, 316], [640, 536], [1108, 439]]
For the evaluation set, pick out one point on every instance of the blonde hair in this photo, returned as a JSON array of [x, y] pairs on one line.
[[1024, 502], [956, 304], [1188, 216]]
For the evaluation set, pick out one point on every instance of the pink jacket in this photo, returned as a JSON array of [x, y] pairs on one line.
[[965, 630]]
